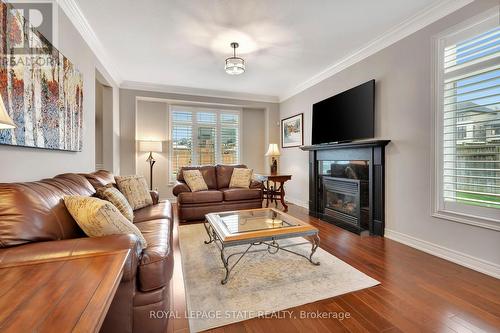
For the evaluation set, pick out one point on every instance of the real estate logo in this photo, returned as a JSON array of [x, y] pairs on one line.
[[32, 27]]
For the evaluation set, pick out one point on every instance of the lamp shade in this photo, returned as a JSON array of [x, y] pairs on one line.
[[273, 150], [5, 120], [150, 146]]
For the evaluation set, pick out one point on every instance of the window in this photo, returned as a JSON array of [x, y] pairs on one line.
[[203, 136], [467, 118]]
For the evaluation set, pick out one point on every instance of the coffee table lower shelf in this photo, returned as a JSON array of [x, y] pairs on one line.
[[273, 246]]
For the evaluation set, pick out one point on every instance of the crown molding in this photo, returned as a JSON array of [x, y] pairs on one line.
[[144, 86], [81, 24], [411, 25]]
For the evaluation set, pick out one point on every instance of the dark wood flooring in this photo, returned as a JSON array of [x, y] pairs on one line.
[[418, 292]]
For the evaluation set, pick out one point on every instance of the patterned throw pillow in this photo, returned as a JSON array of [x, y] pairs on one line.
[[135, 189], [111, 194], [241, 177], [194, 180], [99, 218]]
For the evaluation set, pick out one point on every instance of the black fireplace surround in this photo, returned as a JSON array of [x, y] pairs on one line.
[[346, 184]]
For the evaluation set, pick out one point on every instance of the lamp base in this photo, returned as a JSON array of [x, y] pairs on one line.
[[274, 167]]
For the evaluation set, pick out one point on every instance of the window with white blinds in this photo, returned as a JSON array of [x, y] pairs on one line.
[[203, 136], [469, 121]]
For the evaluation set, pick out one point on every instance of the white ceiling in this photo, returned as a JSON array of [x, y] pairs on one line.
[[284, 42]]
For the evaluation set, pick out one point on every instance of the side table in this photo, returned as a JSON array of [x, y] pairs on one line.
[[275, 190]]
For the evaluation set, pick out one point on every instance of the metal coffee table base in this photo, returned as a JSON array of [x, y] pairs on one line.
[[272, 248]]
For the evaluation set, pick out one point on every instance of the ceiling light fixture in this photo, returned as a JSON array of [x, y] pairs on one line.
[[234, 64]]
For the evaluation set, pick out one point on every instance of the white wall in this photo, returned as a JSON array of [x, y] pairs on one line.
[[24, 164], [403, 115]]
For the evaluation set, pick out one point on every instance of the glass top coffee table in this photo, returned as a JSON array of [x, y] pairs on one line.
[[263, 226]]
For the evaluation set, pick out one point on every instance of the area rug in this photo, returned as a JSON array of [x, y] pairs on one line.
[[260, 284]]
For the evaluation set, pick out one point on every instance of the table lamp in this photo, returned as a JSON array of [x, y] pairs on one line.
[[151, 147], [5, 121], [273, 151]]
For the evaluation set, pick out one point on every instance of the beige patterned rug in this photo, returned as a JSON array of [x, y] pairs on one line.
[[260, 284]]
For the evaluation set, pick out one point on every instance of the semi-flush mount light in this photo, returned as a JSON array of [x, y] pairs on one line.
[[234, 64]]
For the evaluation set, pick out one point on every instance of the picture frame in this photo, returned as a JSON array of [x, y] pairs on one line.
[[292, 131]]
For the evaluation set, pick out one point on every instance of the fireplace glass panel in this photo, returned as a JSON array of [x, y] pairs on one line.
[[344, 169], [341, 202]]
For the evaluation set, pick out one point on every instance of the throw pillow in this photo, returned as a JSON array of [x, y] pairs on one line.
[[99, 218], [241, 177], [111, 194], [135, 189], [194, 179]]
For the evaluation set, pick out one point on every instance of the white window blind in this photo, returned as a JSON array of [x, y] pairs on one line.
[[229, 138], [203, 136], [182, 141], [469, 99]]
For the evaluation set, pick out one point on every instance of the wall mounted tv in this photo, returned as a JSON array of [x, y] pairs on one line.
[[344, 117]]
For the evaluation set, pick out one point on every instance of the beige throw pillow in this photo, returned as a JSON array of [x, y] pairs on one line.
[[194, 179], [111, 194], [135, 189], [99, 218], [241, 177]]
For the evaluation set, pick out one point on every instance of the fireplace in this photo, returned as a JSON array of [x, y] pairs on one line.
[[346, 184], [344, 191]]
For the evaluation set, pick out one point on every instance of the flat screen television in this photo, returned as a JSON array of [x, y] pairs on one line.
[[344, 117]]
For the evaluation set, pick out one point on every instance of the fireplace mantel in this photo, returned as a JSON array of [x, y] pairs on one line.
[[352, 144], [371, 151]]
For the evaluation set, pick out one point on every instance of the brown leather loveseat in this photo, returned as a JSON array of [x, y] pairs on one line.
[[219, 197], [35, 225]]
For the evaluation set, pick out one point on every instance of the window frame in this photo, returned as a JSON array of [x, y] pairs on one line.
[[195, 125], [453, 211]]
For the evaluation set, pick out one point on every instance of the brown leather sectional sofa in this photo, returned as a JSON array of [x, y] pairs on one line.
[[219, 197], [35, 225]]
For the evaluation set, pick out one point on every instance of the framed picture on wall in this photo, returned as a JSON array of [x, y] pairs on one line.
[[292, 131]]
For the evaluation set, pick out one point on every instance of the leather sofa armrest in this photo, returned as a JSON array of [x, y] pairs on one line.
[[50, 250], [255, 184], [180, 187], [155, 196]]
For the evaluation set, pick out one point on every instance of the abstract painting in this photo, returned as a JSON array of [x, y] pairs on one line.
[[292, 131], [41, 89]]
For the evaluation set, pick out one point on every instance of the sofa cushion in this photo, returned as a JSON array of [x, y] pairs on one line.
[[207, 171], [224, 173], [35, 212], [200, 197], [194, 179], [234, 194], [241, 178], [100, 178], [116, 197], [154, 270], [99, 218], [135, 189], [162, 210]]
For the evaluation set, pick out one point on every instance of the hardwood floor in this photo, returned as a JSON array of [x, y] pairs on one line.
[[418, 292]]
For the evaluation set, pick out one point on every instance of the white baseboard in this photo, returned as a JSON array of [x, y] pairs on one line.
[[460, 258], [297, 202]]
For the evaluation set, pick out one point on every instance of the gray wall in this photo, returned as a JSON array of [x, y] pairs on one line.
[[260, 126], [152, 124], [403, 115], [22, 164], [99, 161]]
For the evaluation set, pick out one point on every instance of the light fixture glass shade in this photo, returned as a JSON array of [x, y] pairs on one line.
[[273, 150], [151, 146], [5, 121], [235, 66]]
